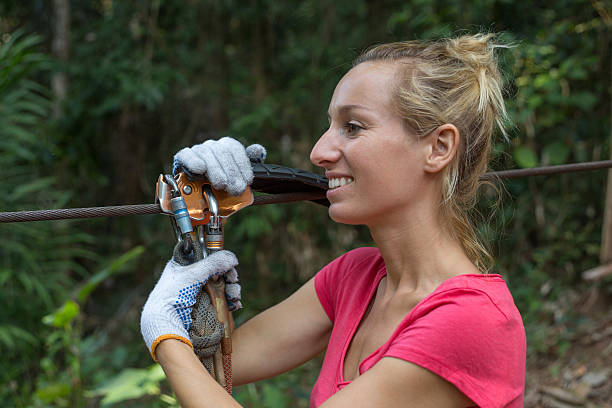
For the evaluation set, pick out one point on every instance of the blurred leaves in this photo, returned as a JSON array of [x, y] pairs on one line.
[[115, 267], [131, 383], [525, 157]]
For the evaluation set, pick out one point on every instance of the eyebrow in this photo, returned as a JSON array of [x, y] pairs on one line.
[[347, 108]]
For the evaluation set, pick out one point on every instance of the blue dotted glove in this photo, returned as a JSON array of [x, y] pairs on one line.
[[167, 312]]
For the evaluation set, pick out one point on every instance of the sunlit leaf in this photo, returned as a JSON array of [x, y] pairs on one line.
[[525, 157], [63, 316], [557, 152], [131, 383], [52, 392]]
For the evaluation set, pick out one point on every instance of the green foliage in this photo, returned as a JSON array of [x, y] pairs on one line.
[[291, 389], [561, 112], [36, 260], [115, 267], [133, 383], [41, 264], [525, 157], [66, 365]]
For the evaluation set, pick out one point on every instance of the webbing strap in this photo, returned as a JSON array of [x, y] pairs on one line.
[[227, 369]]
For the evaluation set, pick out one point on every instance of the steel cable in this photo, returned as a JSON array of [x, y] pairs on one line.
[[548, 170], [71, 213], [135, 209], [141, 209]]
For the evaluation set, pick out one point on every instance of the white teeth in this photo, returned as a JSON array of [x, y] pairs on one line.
[[339, 182]]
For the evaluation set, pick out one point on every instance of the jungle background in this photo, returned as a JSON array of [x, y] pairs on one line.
[[96, 96]]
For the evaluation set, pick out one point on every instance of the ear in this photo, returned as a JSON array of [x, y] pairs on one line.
[[442, 147]]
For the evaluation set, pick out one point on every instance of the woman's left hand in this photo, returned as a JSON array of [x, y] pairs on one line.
[[225, 162]]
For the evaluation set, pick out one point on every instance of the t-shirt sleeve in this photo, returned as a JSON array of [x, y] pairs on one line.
[[330, 281], [465, 338], [325, 287]]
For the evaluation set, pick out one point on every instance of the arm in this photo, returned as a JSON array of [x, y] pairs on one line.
[[288, 334], [272, 342], [192, 384], [397, 383], [281, 338], [390, 383]]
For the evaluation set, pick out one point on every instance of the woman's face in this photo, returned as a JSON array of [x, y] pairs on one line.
[[375, 166]]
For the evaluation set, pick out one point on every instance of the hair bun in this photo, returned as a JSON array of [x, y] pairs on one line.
[[477, 51]]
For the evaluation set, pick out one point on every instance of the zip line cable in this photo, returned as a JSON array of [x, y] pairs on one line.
[[548, 170], [316, 196], [134, 209]]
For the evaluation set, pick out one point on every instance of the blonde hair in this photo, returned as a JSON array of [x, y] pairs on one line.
[[453, 81]]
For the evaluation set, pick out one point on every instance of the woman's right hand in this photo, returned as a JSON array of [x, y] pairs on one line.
[[167, 312]]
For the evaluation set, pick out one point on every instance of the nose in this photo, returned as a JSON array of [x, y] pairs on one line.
[[325, 151]]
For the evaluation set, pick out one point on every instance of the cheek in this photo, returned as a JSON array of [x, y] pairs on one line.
[[395, 179], [386, 177], [387, 170]]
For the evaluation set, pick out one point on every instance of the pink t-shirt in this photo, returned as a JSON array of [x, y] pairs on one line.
[[468, 331]]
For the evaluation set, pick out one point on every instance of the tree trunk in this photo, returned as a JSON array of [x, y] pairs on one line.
[[606, 234], [61, 51]]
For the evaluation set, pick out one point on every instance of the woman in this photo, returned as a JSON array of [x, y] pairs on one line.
[[417, 321]]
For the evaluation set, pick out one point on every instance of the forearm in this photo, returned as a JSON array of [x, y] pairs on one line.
[[280, 338], [189, 380], [255, 353], [260, 351]]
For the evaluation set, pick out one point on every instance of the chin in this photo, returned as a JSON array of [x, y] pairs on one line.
[[345, 215]]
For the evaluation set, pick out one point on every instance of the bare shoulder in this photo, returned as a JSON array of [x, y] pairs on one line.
[[397, 383]]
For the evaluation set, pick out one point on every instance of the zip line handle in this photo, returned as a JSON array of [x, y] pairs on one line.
[[195, 208]]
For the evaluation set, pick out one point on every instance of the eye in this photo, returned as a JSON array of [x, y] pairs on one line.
[[352, 129]]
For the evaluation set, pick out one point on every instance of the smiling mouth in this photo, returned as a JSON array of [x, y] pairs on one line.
[[339, 182]]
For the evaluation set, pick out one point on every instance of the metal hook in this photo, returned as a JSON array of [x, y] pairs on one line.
[[214, 229]]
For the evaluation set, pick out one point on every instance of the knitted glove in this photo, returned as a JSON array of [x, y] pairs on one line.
[[225, 162], [167, 312]]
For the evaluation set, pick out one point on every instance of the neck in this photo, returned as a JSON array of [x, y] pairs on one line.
[[419, 254]]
